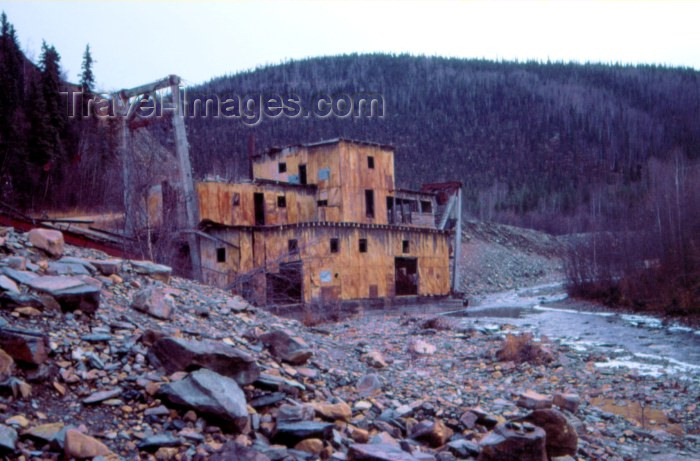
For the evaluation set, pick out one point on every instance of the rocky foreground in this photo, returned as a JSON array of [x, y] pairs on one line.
[[109, 359]]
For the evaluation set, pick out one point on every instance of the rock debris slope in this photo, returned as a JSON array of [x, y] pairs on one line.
[[108, 359]]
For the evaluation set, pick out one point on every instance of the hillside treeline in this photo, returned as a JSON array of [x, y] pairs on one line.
[[533, 143], [49, 160]]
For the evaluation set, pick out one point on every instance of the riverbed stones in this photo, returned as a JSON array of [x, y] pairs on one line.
[[178, 354], [533, 400], [514, 441], [154, 301], [71, 293], [49, 240], [210, 394], [286, 347], [30, 347]]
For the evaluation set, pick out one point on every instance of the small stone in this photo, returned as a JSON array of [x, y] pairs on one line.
[[8, 439], [78, 445], [24, 345], [534, 401], [155, 271], [378, 452], [28, 311], [332, 412], [434, 433], [513, 441], [154, 301], [7, 365], [102, 396], [286, 347], [51, 241], [369, 385], [17, 421], [568, 402], [314, 446], [418, 346], [7, 284], [375, 359]]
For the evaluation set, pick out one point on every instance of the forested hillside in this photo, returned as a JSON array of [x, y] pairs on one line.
[[533, 143]]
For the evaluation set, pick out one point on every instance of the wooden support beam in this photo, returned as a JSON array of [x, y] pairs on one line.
[[182, 151], [458, 242]]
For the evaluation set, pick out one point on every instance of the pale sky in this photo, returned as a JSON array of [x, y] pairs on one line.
[[137, 42]]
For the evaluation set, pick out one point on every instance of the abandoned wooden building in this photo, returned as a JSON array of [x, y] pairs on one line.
[[324, 222]]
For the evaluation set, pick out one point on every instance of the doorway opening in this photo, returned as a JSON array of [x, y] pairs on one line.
[[406, 270]]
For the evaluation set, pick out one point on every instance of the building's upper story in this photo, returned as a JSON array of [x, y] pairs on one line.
[[339, 181]]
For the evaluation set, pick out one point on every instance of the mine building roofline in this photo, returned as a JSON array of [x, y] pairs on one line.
[[414, 191], [262, 182], [208, 224], [326, 142]]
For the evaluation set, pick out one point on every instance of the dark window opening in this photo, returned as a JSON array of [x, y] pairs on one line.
[[302, 174], [259, 208], [221, 255], [236, 199], [335, 245], [293, 246], [322, 203], [281, 201], [426, 206], [370, 162], [369, 203], [363, 245], [282, 167], [406, 246]]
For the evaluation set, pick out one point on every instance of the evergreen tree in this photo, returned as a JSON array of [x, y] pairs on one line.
[[87, 78], [12, 139]]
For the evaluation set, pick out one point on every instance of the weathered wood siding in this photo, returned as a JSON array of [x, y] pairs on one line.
[[350, 274], [216, 203], [342, 175]]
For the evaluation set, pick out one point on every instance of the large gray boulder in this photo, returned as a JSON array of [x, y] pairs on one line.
[[177, 354], [51, 241], [562, 439], [286, 347], [26, 346], [71, 293], [211, 395], [511, 441], [8, 439], [155, 302]]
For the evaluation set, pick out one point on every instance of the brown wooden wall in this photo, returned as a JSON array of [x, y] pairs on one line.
[[353, 275], [350, 176], [216, 203]]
